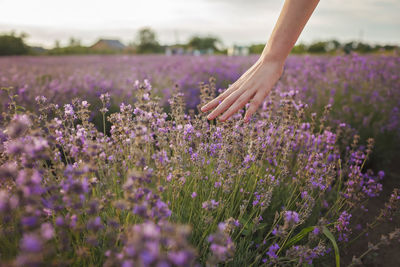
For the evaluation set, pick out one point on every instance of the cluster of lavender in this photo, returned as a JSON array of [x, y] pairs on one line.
[[175, 189], [89, 76], [363, 90]]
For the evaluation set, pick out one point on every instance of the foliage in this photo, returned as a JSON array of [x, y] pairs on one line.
[[175, 189], [362, 89], [70, 50], [256, 48], [204, 43], [10, 44], [147, 41], [299, 49], [85, 181], [318, 47]]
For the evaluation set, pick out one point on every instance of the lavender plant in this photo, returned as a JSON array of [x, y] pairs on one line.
[[175, 189], [363, 90]]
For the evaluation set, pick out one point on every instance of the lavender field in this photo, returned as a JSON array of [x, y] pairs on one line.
[[107, 161]]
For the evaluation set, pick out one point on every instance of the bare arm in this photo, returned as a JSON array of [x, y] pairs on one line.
[[257, 82]]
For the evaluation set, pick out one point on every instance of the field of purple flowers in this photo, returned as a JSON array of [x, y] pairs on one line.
[[104, 161]]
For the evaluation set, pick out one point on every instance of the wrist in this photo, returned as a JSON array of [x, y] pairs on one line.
[[272, 57], [272, 60]]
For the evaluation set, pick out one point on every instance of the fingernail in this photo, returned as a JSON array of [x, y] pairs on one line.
[[209, 117]]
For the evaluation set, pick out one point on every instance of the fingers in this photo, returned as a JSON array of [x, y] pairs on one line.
[[239, 93], [255, 103], [226, 103], [239, 104], [236, 85], [216, 101]]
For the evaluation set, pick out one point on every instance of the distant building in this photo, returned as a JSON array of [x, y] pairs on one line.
[[237, 50], [179, 49], [38, 50], [175, 50], [199, 52], [108, 45]]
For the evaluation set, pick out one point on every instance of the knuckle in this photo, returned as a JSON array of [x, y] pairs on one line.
[[253, 106]]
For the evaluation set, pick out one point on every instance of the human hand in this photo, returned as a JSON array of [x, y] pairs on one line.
[[255, 84]]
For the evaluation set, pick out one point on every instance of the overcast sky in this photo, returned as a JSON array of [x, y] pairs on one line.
[[234, 21]]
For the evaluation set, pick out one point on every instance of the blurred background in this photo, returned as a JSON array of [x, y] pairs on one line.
[[232, 27]]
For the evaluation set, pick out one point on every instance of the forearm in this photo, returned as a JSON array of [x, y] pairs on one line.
[[291, 22]]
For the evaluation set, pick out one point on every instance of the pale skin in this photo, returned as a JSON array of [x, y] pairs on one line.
[[257, 82]]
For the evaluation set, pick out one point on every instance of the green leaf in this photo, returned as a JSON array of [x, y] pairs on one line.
[[262, 225], [299, 236], [246, 232], [330, 236]]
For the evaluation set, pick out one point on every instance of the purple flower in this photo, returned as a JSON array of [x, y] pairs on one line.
[[85, 104], [316, 231], [147, 257], [291, 217], [31, 243], [60, 221], [19, 124], [95, 224], [342, 226], [47, 231], [179, 258], [29, 221], [222, 247], [272, 251], [210, 205], [69, 110], [161, 157], [128, 263]]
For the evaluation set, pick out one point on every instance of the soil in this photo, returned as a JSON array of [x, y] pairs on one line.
[[386, 255]]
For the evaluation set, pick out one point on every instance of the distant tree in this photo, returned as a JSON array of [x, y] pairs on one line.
[[57, 44], [318, 47], [204, 43], [299, 49], [363, 48], [332, 45], [389, 47], [147, 41], [348, 47], [70, 50], [13, 45], [74, 42], [74, 47], [256, 48]]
